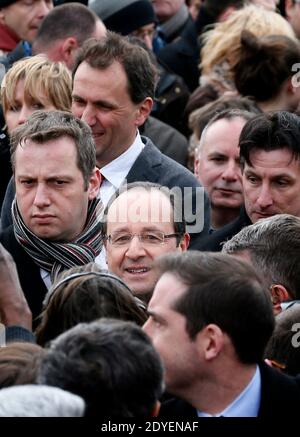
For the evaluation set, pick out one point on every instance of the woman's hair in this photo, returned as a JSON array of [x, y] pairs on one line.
[[264, 64], [41, 78], [19, 363], [223, 42], [83, 294]]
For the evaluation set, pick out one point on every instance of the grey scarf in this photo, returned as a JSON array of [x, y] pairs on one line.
[[172, 25]]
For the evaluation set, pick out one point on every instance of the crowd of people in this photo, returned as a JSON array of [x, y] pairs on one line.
[[150, 208]]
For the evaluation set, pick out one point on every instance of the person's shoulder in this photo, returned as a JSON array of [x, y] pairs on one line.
[[177, 408], [169, 167], [214, 241]]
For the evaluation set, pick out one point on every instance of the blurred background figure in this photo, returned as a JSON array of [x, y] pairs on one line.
[[19, 23], [84, 294], [19, 363], [39, 401], [283, 351], [112, 364], [265, 71], [64, 31]]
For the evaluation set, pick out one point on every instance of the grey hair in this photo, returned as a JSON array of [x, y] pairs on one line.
[[274, 248], [39, 401], [226, 114]]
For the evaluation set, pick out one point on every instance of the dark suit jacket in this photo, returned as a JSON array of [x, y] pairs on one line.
[[152, 166], [280, 397], [29, 273], [214, 241], [181, 53], [167, 139]]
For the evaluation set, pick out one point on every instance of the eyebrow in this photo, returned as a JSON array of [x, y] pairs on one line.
[[155, 316]]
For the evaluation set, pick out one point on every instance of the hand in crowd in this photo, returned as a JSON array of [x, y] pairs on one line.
[[14, 309]]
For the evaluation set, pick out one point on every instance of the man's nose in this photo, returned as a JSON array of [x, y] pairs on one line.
[[231, 173], [42, 196], [135, 249], [265, 197]]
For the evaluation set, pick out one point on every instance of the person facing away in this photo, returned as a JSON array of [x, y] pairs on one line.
[[64, 31], [111, 364], [272, 247]]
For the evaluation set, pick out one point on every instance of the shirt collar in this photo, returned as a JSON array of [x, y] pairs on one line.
[[116, 171], [246, 404]]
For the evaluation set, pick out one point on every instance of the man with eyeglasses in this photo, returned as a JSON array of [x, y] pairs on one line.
[[142, 222]]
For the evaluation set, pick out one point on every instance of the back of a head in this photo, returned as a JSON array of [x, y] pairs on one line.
[[273, 245], [67, 20], [19, 363], [111, 364], [268, 132], [283, 348], [223, 42], [39, 401], [226, 292], [265, 63], [124, 16], [84, 294]]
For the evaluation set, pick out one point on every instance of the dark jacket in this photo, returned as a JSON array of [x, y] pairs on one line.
[[280, 397], [181, 54], [167, 139], [215, 241]]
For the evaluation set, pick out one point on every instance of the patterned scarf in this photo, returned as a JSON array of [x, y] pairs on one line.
[[56, 257]]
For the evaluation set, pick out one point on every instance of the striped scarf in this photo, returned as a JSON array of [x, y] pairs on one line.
[[56, 257]]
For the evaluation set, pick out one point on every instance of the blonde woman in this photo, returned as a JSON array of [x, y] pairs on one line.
[[222, 45], [32, 84]]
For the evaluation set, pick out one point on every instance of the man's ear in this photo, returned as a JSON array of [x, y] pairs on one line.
[[211, 341], [143, 111], [279, 294], [184, 242], [2, 16], [94, 183], [68, 51]]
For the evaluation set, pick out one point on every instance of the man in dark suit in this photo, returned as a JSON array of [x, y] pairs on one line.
[[113, 92], [269, 154], [56, 224], [210, 318]]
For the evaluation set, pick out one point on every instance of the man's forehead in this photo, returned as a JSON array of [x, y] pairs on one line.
[[273, 159], [168, 289], [139, 204]]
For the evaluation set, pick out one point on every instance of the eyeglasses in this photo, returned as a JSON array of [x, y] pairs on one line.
[[153, 238]]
